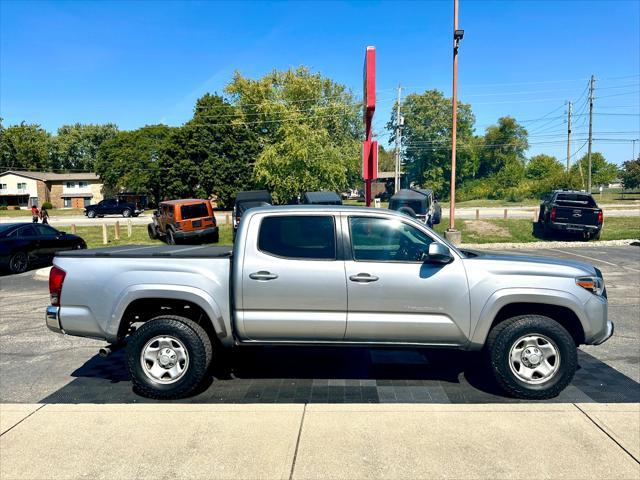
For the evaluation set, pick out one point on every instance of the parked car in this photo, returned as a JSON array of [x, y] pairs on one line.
[[571, 212], [288, 279], [112, 206], [321, 198], [25, 244], [245, 201], [176, 221], [417, 203]]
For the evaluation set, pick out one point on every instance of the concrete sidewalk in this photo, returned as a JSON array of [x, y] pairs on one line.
[[319, 441]]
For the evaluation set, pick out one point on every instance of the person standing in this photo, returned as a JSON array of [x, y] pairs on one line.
[[34, 213], [44, 216]]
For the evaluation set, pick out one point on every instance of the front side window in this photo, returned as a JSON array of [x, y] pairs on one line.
[[27, 231], [45, 230], [298, 236], [387, 240]]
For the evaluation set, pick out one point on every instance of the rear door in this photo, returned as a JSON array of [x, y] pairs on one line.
[[394, 296], [293, 282]]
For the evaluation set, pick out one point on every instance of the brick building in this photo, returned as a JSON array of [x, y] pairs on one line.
[[63, 190]]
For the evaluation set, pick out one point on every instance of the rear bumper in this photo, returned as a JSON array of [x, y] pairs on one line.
[[52, 319], [573, 227], [204, 233]]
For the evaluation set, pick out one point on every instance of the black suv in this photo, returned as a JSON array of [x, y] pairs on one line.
[[112, 206], [571, 212], [418, 203]]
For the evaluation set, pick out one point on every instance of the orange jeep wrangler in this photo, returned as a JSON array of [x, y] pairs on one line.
[[181, 220]]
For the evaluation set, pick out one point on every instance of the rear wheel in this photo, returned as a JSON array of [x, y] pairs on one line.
[[532, 356], [171, 239], [168, 357], [18, 262], [151, 230]]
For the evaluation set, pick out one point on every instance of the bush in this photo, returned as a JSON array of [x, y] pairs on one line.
[[47, 206], [3, 207], [14, 207]]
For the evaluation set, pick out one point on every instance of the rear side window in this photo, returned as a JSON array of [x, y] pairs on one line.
[[197, 210], [298, 236]]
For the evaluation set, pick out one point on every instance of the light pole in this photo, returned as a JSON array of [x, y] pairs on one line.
[[452, 234]]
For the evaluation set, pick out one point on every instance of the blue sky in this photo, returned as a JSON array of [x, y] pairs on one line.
[[146, 62]]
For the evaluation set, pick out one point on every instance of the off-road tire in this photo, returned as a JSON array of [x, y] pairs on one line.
[[126, 213], [407, 211], [198, 346], [170, 238], [437, 214], [91, 214], [152, 231], [498, 346]]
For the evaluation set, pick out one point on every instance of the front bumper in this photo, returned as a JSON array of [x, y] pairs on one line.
[[206, 232], [607, 334], [52, 319]]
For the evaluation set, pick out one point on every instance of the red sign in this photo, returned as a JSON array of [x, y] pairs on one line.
[[369, 147], [369, 160]]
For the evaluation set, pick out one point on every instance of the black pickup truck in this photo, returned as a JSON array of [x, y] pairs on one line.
[[112, 206], [571, 212]]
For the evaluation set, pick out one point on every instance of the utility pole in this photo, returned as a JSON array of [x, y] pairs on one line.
[[452, 234], [591, 83], [399, 123], [568, 136]]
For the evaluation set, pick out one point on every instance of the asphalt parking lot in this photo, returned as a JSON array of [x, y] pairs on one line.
[[39, 366]]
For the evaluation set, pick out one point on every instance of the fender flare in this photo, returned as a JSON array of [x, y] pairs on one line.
[[506, 296], [172, 292]]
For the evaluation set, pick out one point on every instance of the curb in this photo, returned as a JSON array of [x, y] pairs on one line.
[[42, 274]]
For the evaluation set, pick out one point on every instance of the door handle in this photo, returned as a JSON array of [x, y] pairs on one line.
[[363, 278], [262, 275]]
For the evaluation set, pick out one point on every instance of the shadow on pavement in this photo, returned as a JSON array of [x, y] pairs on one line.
[[344, 375]]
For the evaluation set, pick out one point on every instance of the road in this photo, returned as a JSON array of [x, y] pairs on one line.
[[37, 365], [466, 213]]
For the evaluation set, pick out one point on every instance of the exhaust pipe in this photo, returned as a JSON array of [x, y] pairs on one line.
[[107, 350]]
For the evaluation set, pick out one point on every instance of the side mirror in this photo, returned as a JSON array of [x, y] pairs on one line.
[[438, 253]]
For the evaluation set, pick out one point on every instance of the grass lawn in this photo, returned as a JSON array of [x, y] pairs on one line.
[[93, 236], [521, 230], [54, 212]]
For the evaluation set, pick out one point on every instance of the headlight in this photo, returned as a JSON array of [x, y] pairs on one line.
[[594, 284]]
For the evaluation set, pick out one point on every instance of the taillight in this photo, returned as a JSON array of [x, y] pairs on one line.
[[56, 279], [600, 216], [553, 213]]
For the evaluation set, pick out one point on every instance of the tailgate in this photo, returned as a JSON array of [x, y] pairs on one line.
[[577, 215]]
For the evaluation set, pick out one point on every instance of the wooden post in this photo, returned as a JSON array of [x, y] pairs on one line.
[[505, 213], [535, 216], [116, 229], [227, 219], [477, 214], [74, 230], [105, 236], [129, 228]]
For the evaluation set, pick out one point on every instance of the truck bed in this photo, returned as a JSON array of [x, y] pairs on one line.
[[144, 251]]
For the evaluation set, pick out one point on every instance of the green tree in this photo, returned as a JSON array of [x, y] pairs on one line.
[[212, 154], [630, 173], [76, 146], [427, 139], [290, 112], [602, 172], [26, 146], [503, 144], [543, 166], [130, 161]]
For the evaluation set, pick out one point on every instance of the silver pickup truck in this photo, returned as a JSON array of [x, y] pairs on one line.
[[329, 275]]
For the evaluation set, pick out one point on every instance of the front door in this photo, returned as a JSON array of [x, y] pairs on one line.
[[394, 295], [293, 282]]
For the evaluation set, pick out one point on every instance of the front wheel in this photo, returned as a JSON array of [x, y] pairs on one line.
[[126, 213], [532, 356], [170, 238], [168, 357], [91, 214], [152, 231]]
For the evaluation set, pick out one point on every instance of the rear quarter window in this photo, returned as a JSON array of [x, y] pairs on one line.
[[298, 236], [576, 199]]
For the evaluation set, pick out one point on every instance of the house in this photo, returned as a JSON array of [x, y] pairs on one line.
[[62, 190]]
